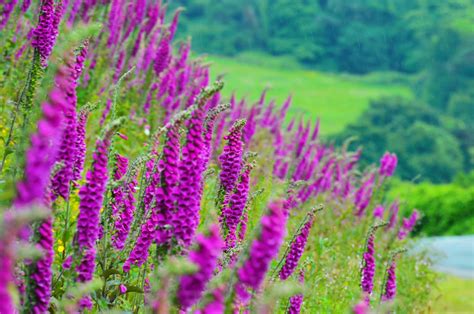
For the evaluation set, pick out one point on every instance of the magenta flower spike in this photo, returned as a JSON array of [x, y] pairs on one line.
[[8, 7], [379, 211], [388, 164], [163, 55], [231, 157], [296, 301], [45, 33], [297, 248], [364, 195], [390, 288], [192, 286], [394, 208], [71, 141], [91, 197], [408, 225], [6, 279], [262, 251], [234, 207], [368, 270]]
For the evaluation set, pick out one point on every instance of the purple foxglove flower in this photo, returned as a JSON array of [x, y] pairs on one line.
[[296, 249], [314, 136], [234, 207], [290, 126], [284, 108], [67, 262], [391, 284], [231, 157], [262, 251], [192, 286], [249, 129], [408, 225], [42, 153], [163, 53], [123, 206], [174, 23], [361, 308], [123, 289], [216, 306], [69, 142], [378, 211], [243, 225], [8, 7], [6, 278], [25, 5], [76, 6], [44, 36], [80, 148], [42, 273], [91, 197], [388, 164], [394, 208], [364, 195], [164, 192], [352, 161], [209, 131], [115, 22], [297, 300], [190, 171], [119, 66], [368, 270], [105, 112]]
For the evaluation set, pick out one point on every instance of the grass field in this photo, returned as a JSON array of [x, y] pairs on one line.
[[337, 99], [455, 295]]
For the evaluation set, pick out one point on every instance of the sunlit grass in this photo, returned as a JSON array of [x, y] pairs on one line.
[[338, 99], [455, 295]]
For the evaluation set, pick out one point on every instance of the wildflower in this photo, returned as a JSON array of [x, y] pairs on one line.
[[234, 208], [6, 278], [123, 289], [394, 208], [8, 7], [69, 141], [262, 251], [296, 249], [361, 308], [297, 300], [368, 271], [205, 257], [44, 36], [162, 58], [364, 195], [67, 262], [216, 305], [388, 163], [408, 225], [231, 157], [391, 285], [378, 211]]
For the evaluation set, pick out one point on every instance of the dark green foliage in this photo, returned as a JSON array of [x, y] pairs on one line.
[[448, 209], [415, 132]]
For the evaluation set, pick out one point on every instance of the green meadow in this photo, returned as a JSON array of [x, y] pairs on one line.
[[337, 99]]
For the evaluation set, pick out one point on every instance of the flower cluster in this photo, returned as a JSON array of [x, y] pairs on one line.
[[231, 157], [296, 249], [388, 164], [205, 257], [262, 251], [408, 225], [46, 32], [391, 285]]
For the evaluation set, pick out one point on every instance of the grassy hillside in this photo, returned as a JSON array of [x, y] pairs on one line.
[[338, 99]]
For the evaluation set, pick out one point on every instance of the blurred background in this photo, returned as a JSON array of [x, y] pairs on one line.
[[393, 75]]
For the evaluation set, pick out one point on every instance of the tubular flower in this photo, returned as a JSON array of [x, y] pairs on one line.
[[42, 153], [233, 210], [115, 22], [216, 306], [296, 250], [231, 157], [205, 258], [42, 274], [391, 284], [388, 163], [361, 308], [6, 275], [393, 214], [368, 270], [80, 145], [124, 205], [188, 198], [297, 300], [44, 35], [209, 131], [69, 141], [408, 225], [364, 195], [378, 211], [262, 251], [162, 58], [8, 7], [91, 197], [161, 213]]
